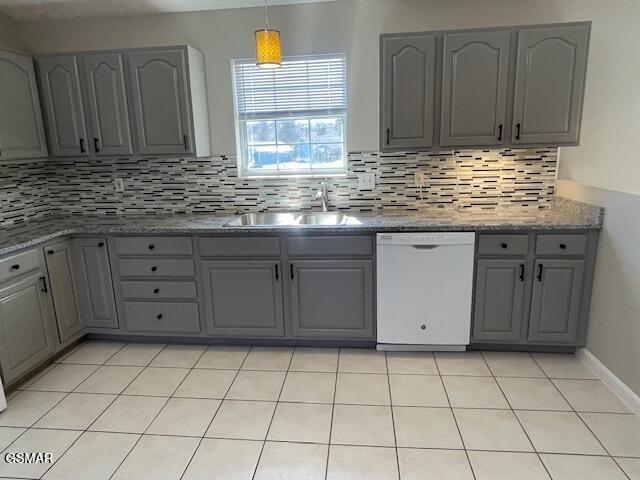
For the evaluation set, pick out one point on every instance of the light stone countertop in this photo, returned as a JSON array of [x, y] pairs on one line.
[[563, 214]]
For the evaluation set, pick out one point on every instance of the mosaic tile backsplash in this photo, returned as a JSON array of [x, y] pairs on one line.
[[469, 179]]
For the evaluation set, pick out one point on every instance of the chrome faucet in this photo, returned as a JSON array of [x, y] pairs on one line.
[[323, 196]]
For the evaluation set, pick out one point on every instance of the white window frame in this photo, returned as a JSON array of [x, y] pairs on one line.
[[241, 132]]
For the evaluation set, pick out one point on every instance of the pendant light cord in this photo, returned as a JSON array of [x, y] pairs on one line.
[[266, 16]]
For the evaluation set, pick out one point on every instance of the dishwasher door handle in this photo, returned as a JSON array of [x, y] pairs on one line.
[[425, 247]]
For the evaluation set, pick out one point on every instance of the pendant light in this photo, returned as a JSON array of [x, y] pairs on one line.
[[268, 44]]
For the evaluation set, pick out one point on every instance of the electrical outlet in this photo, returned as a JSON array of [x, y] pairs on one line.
[[421, 178], [366, 181], [118, 183]]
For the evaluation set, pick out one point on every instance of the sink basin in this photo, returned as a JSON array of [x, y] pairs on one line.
[[324, 218], [287, 219], [264, 219]]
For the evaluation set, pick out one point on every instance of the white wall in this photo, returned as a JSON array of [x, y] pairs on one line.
[[9, 34]]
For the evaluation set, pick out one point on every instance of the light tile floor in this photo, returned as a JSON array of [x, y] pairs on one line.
[[109, 410]]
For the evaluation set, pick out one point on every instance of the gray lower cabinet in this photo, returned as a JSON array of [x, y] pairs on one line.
[[549, 86], [27, 336], [474, 88], [59, 259], [62, 101], [94, 283], [332, 298], [243, 297], [499, 297], [407, 97], [556, 300], [21, 127], [107, 104]]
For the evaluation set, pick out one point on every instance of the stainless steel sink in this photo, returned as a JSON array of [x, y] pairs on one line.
[[264, 219], [323, 218], [287, 219]]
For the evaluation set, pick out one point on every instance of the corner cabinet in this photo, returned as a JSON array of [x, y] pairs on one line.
[[533, 289], [62, 100], [499, 87], [549, 85], [21, 128], [407, 99], [169, 98], [94, 283]]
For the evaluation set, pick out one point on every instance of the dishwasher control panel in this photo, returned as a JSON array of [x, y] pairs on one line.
[[439, 238]]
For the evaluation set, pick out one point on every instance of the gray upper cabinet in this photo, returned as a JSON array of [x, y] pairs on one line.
[[332, 298], [168, 90], [94, 284], [107, 104], [407, 91], [474, 88], [243, 297], [21, 128], [26, 326], [62, 100], [499, 296], [62, 285], [556, 300], [549, 88]]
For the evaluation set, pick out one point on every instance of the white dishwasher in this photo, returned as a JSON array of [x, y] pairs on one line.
[[424, 290]]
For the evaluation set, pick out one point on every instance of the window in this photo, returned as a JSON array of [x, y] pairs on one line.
[[291, 120]]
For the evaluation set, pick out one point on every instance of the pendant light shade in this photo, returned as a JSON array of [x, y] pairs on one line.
[[268, 49], [268, 44]]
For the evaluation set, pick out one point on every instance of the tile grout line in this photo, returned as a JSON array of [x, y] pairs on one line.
[[255, 470], [333, 409], [455, 420], [204, 434], [575, 412], [493, 376], [393, 422]]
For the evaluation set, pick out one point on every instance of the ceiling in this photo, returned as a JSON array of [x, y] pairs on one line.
[[35, 10]]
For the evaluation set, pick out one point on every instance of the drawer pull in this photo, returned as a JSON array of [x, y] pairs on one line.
[[563, 246], [15, 267], [159, 316], [101, 244], [50, 252], [151, 247], [153, 269], [504, 245], [156, 291]]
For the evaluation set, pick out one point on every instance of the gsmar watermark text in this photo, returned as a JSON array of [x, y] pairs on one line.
[[28, 457]]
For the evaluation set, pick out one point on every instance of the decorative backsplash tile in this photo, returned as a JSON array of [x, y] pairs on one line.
[[466, 179]]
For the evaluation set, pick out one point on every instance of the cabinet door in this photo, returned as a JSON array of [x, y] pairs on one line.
[[21, 128], [499, 294], [474, 88], [26, 327], [243, 297], [107, 104], [62, 101], [94, 284], [332, 298], [550, 74], [555, 303], [160, 101], [408, 90], [62, 282]]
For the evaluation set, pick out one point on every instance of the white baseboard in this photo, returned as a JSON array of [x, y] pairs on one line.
[[617, 386]]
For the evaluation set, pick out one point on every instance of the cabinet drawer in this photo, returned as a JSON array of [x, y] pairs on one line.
[[153, 245], [240, 246], [156, 268], [159, 290], [330, 245], [503, 244], [561, 245], [19, 264], [162, 317]]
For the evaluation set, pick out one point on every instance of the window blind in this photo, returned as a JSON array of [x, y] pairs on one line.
[[301, 87]]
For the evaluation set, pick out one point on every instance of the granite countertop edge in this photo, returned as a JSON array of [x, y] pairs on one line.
[[563, 215]]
